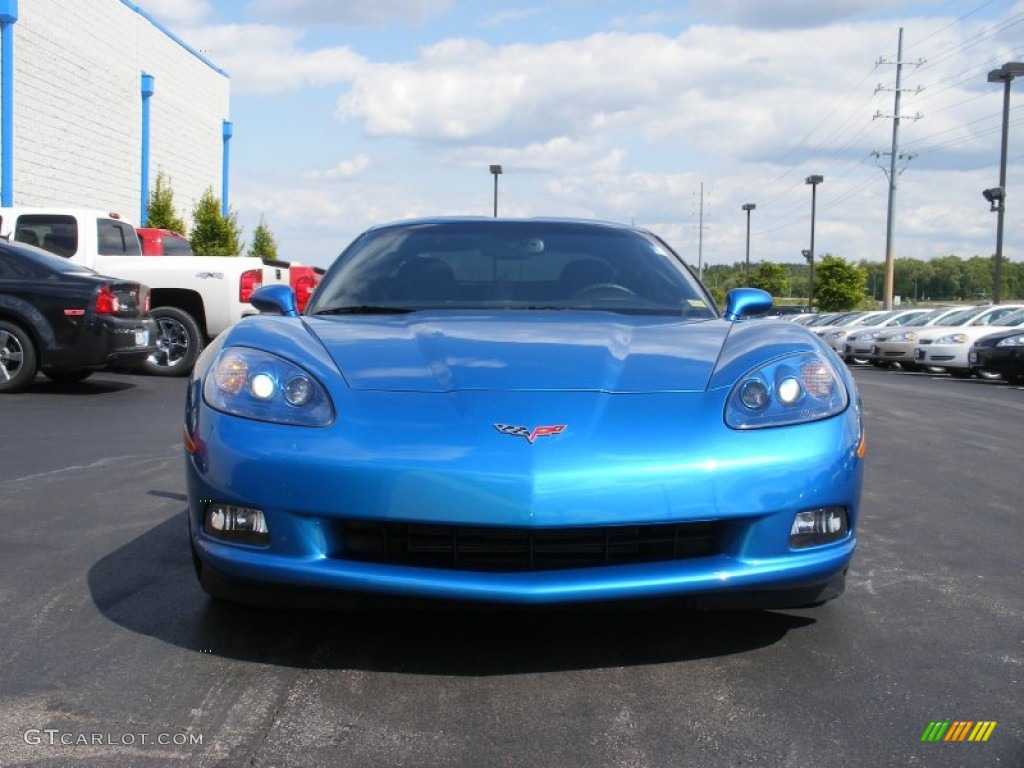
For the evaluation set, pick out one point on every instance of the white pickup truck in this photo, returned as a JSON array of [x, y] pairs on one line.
[[194, 298]]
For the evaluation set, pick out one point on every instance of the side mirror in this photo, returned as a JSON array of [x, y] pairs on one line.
[[275, 300], [745, 302]]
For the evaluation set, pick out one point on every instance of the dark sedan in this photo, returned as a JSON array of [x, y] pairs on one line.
[[1001, 352], [65, 320]]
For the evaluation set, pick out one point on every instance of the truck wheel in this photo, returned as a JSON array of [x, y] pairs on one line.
[[18, 359], [178, 343]]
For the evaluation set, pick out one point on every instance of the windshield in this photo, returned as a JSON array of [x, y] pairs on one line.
[[960, 318], [926, 318], [510, 265], [1016, 318], [875, 318]]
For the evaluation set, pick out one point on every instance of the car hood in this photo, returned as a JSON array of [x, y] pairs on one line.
[[522, 351]]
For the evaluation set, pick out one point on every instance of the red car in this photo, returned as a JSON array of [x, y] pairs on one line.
[[303, 280], [163, 242]]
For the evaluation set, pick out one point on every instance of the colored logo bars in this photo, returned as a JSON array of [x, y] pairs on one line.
[[958, 730]]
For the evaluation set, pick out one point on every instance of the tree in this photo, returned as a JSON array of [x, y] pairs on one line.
[[264, 246], [770, 277], [838, 285], [160, 212], [214, 234]]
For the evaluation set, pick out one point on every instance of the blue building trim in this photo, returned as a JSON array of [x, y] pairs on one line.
[[147, 93], [8, 17], [175, 38], [227, 132]]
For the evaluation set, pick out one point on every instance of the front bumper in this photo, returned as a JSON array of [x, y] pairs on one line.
[[942, 355], [893, 351], [1008, 361], [309, 482]]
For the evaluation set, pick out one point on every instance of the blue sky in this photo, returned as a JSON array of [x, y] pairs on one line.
[[351, 114]]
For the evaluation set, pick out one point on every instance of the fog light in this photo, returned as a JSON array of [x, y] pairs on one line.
[[814, 527], [242, 525]]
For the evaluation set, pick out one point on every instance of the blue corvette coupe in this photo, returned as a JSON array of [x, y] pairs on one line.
[[521, 412]]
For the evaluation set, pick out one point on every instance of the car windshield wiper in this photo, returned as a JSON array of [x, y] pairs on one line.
[[364, 309]]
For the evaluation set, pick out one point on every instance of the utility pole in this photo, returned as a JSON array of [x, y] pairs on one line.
[[700, 236], [893, 155]]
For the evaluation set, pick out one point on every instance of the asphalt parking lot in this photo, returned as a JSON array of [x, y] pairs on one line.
[[113, 656]]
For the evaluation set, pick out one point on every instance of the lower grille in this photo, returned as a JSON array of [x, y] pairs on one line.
[[481, 548]]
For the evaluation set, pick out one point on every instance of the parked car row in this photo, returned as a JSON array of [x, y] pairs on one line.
[[984, 340]]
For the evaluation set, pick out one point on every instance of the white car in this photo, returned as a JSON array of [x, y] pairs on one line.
[[835, 333], [897, 345], [948, 347], [858, 342]]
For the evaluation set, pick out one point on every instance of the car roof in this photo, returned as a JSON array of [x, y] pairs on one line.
[[594, 223]]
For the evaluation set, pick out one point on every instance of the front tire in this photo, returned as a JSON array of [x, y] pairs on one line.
[[178, 343], [18, 358]]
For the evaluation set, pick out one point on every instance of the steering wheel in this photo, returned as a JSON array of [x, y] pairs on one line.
[[603, 287]]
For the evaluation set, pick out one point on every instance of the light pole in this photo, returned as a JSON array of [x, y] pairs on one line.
[[496, 171], [748, 207], [814, 181], [810, 285], [1004, 75]]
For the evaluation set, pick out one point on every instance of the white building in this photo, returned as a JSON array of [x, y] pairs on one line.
[[96, 97]]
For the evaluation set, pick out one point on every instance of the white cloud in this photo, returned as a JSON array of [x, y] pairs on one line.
[[508, 16], [781, 14], [264, 59], [357, 13], [176, 13], [346, 169], [553, 155], [464, 89]]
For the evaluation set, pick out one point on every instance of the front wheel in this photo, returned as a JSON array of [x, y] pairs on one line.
[[18, 358], [178, 343]]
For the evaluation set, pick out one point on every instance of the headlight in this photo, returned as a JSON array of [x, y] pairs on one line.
[[799, 388], [1012, 341], [835, 335], [952, 338], [908, 336], [257, 385]]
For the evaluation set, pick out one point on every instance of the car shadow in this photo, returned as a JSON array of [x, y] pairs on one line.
[[148, 586], [94, 385]]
